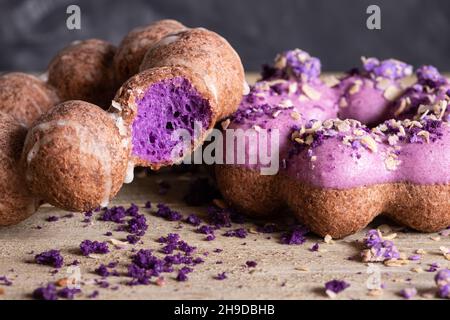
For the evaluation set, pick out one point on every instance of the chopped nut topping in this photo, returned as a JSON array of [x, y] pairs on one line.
[[392, 93], [395, 262], [295, 115], [343, 102], [370, 143], [330, 81], [311, 92], [328, 239], [354, 89]]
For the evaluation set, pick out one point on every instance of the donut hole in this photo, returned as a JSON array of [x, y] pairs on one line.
[[169, 110]]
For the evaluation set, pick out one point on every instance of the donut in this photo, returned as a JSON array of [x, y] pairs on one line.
[[76, 156], [84, 71], [25, 97], [334, 174], [16, 201], [188, 81], [136, 43]]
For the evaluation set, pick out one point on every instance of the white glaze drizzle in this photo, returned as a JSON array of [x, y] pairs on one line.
[[86, 145]]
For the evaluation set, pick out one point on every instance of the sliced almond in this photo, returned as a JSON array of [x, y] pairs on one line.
[[310, 92], [370, 143], [392, 93]]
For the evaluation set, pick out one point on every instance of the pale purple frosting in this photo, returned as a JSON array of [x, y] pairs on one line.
[[341, 166], [354, 155]]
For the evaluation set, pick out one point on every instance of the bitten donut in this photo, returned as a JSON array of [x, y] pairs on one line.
[[335, 174], [16, 201], [25, 97], [189, 80], [76, 156], [84, 71], [136, 43]]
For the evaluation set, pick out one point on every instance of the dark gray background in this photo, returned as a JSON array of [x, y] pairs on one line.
[[417, 31]]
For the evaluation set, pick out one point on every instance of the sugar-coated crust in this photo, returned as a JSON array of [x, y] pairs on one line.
[[210, 57], [84, 71], [25, 97], [136, 43], [16, 202], [76, 156], [333, 211], [125, 102], [202, 57]]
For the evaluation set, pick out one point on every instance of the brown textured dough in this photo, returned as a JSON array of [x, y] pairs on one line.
[[84, 71], [211, 58], [16, 201], [202, 57], [25, 97], [136, 43], [76, 156], [336, 212]]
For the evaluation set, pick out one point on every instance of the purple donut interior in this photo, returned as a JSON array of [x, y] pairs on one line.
[[166, 106]]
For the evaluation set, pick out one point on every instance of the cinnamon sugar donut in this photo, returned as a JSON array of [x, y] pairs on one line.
[[25, 97], [136, 43], [76, 156], [335, 174], [84, 71], [16, 201], [189, 81]]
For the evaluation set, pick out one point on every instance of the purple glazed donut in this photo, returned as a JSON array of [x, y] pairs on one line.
[[335, 174]]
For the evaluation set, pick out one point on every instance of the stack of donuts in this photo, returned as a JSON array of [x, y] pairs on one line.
[[376, 141], [73, 137]]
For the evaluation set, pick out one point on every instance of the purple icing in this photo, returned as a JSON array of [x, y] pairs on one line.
[[293, 64], [359, 156], [389, 69], [167, 105]]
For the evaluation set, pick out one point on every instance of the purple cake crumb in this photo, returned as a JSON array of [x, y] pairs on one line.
[[193, 219], [314, 248], [296, 236], [238, 233], [133, 239], [221, 276], [137, 225], [442, 280], [87, 247], [102, 271], [378, 249], [48, 292], [4, 281], [251, 264], [52, 219], [408, 293], [68, 293], [51, 258], [336, 286], [165, 212]]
